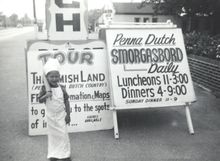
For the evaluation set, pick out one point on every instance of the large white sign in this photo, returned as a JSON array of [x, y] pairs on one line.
[[66, 19], [148, 68], [83, 71]]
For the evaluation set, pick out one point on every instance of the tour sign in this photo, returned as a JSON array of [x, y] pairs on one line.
[[83, 72], [148, 68]]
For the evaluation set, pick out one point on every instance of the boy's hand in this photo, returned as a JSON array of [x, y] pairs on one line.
[[48, 94], [67, 119]]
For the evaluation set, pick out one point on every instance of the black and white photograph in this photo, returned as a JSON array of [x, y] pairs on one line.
[[110, 80]]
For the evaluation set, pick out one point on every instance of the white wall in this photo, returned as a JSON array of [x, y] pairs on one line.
[[131, 18]]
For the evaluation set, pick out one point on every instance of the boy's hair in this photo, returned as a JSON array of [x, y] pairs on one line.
[[52, 71]]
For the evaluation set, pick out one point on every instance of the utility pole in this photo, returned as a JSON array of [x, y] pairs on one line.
[[35, 20], [34, 10]]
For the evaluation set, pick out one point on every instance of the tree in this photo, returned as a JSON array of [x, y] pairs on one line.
[[2, 20], [188, 8], [13, 19], [25, 20], [93, 16]]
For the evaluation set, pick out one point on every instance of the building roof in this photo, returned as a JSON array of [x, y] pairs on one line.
[[132, 8]]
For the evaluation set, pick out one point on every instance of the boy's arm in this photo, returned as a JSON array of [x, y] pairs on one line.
[[67, 118], [43, 95], [67, 105], [66, 102]]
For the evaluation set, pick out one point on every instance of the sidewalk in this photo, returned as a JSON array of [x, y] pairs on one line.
[[12, 32]]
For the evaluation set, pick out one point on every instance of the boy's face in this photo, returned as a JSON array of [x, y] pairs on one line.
[[53, 78]]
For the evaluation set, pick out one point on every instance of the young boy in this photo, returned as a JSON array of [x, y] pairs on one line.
[[57, 113]]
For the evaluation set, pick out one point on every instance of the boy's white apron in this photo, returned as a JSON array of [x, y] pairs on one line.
[[58, 139]]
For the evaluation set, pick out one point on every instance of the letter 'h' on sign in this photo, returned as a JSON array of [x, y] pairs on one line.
[[75, 22], [66, 21]]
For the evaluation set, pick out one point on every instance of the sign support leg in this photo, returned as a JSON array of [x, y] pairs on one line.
[[189, 120], [115, 122]]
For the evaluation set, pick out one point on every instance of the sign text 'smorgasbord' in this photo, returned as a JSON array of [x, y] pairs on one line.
[[148, 68]]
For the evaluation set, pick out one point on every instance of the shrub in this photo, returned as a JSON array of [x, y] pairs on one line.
[[203, 44]]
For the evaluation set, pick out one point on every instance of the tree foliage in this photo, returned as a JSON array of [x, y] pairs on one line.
[[187, 7], [93, 16], [25, 20], [191, 10], [13, 19]]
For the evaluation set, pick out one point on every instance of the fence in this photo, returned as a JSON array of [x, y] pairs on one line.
[[205, 73]]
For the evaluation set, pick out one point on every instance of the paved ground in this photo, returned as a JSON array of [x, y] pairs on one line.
[[12, 32], [145, 135]]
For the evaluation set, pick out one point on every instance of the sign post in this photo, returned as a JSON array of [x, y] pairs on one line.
[[115, 123], [188, 118], [148, 69]]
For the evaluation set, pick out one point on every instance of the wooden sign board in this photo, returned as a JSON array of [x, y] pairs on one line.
[[148, 68], [67, 20], [83, 72]]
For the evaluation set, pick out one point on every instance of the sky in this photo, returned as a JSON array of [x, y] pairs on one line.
[[22, 7]]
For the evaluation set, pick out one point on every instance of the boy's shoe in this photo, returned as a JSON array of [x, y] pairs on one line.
[[66, 159], [53, 159]]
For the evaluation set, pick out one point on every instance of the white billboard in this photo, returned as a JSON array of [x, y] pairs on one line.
[[83, 72], [148, 68]]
